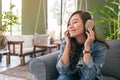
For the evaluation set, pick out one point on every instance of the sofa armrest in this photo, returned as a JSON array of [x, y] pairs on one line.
[[44, 67], [12, 45]]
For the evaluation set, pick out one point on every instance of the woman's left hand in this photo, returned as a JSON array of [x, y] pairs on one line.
[[90, 38]]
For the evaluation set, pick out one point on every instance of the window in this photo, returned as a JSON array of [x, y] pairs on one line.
[[58, 12], [16, 30]]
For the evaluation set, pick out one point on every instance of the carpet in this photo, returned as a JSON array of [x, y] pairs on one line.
[[19, 72]]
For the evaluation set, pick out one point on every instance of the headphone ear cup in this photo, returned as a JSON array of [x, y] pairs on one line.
[[89, 24]]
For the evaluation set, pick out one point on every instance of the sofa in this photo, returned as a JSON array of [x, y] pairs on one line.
[[44, 67], [23, 45]]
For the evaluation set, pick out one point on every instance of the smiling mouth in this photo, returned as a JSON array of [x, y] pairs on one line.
[[72, 31]]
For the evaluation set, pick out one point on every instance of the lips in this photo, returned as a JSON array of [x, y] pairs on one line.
[[72, 30]]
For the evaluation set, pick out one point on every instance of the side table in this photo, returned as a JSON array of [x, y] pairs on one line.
[[58, 42], [49, 47]]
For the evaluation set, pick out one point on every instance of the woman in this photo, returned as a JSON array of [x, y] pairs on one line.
[[82, 52]]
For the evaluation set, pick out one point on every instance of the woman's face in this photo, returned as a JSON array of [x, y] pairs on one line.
[[75, 26]]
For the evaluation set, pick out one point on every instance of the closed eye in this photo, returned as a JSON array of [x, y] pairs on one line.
[[75, 22]]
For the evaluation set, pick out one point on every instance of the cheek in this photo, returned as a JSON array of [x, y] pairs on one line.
[[80, 28], [78, 31]]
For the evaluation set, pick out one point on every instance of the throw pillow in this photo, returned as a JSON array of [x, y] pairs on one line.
[[40, 39]]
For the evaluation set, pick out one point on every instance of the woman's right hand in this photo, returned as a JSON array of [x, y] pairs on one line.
[[67, 36], [65, 56]]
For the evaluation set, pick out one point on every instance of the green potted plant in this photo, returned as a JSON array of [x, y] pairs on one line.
[[8, 19], [110, 15]]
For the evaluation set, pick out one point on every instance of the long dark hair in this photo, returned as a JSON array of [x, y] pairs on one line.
[[75, 53]]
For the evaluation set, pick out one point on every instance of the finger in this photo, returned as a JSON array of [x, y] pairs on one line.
[[91, 32], [65, 32], [88, 35]]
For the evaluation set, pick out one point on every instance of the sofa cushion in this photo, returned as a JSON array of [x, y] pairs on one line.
[[112, 62], [28, 41], [109, 78], [40, 38], [13, 37]]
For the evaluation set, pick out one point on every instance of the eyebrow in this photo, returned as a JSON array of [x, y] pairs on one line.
[[75, 19]]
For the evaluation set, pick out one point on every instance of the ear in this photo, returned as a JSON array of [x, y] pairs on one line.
[[89, 24]]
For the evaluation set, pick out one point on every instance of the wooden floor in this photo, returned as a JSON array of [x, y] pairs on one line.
[[15, 61]]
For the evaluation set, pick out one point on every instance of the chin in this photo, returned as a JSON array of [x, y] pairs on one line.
[[72, 35]]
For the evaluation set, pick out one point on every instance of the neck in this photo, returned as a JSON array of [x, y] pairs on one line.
[[80, 39]]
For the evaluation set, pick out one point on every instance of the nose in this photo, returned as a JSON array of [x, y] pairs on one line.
[[70, 26]]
